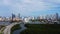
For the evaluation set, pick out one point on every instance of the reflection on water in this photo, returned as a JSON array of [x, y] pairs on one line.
[[5, 23], [18, 31]]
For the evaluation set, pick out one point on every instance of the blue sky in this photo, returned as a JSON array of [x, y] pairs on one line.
[[29, 7]]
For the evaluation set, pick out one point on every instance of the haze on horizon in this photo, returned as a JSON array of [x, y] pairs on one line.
[[29, 7]]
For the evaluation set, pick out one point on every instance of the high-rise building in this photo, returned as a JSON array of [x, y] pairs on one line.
[[13, 16], [47, 17], [41, 17], [57, 16], [38, 17], [19, 15]]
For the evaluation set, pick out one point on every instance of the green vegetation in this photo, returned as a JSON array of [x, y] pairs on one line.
[[15, 27], [1, 26], [41, 29], [0, 33], [2, 29]]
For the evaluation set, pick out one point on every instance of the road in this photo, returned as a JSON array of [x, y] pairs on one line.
[[8, 28]]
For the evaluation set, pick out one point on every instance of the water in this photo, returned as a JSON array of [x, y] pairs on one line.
[[5, 23], [20, 30], [23, 27]]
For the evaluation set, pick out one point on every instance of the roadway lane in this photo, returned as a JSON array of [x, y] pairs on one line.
[[8, 28]]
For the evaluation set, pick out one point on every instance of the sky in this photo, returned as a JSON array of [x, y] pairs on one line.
[[29, 7]]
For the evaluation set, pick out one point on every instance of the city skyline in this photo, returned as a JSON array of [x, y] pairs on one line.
[[29, 7]]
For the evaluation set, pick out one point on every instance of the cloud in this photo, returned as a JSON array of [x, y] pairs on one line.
[[53, 1], [29, 6]]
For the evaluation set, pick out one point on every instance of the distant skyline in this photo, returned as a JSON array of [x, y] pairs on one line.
[[29, 7]]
